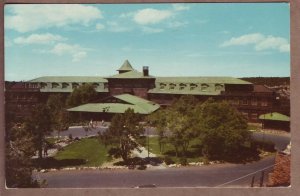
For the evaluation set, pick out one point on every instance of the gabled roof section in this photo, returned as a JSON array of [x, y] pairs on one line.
[[274, 116], [131, 75], [139, 105], [126, 66], [58, 79]]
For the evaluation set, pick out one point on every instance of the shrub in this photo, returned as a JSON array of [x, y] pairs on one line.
[[264, 145], [183, 161], [168, 160]]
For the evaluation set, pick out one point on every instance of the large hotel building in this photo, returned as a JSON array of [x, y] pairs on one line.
[[143, 92]]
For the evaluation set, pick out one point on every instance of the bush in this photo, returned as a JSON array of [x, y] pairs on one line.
[[183, 161], [264, 145], [168, 160]]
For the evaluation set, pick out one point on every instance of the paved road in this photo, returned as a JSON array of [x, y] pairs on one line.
[[203, 176], [280, 141]]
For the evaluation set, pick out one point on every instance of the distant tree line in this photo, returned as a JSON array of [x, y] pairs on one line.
[[269, 81]]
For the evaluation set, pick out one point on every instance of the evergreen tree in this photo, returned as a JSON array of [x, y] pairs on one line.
[[19, 166], [81, 95], [40, 125]]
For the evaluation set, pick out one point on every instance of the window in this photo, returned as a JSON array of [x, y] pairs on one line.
[[193, 86], [245, 114], [105, 85], [162, 86], [182, 86], [264, 102], [234, 101], [65, 85], [254, 101], [75, 85], [95, 85], [55, 85], [204, 87], [172, 86], [43, 85], [244, 101], [254, 116], [218, 87]]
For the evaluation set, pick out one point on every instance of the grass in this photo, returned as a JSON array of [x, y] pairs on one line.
[[52, 140], [88, 149], [254, 126], [168, 150]]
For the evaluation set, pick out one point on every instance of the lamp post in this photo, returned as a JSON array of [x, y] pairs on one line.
[[148, 141]]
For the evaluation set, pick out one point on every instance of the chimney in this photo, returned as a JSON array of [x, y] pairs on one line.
[[146, 71]]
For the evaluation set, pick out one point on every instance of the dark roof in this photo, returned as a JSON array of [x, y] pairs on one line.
[[262, 89]]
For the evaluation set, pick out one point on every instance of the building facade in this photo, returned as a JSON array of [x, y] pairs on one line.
[[250, 99]]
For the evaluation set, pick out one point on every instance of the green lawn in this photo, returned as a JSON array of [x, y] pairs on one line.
[[193, 153], [88, 149]]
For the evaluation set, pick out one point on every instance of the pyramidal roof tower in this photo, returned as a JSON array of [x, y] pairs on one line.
[[125, 67]]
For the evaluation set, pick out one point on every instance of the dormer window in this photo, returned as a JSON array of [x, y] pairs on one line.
[[182, 86], [95, 85], [204, 87], [75, 85], [162, 86], [193, 86], [65, 85], [172, 86], [218, 87], [55, 85], [43, 85]]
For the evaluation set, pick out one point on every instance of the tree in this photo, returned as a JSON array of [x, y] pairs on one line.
[[222, 129], [81, 95], [40, 125], [59, 115], [158, 120], [122, 134], [179, 119], [19, 150]]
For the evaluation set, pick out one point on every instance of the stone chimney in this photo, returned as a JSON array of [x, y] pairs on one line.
[[146, 71]]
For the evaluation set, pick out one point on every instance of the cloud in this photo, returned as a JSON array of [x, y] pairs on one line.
[[26, 18], [47, 38], [116, 27], [99, 26], [151, 16], [76, 51], [260, 42], [180, 7]]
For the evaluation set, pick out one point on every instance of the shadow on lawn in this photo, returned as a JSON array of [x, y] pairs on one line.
[[50, 162], [244, 155]]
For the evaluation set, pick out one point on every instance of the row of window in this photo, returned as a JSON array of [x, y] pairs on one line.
[[253, 116], [253, 102], [65, 85], [190, 86]]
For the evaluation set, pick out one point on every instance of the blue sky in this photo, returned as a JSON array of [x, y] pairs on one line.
[[172, 39]]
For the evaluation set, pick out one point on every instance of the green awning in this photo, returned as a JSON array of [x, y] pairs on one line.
[[274, 116]]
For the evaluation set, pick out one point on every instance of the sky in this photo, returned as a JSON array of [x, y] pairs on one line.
[[193, 39]]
